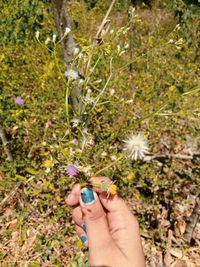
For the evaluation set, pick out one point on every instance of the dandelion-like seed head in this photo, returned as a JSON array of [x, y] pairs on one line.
[[136, 147], [71, 75]]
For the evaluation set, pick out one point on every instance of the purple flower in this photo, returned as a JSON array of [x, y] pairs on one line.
[[71, 170], [18, 100]]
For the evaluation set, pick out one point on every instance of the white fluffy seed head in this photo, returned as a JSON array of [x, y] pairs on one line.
[[71, 75], [136, 147]]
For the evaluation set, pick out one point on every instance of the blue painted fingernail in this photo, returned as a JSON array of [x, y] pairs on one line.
[[87, 195], [84, 227], [83, 239]]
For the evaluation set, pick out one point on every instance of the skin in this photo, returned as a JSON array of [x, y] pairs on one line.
[[113, 236]]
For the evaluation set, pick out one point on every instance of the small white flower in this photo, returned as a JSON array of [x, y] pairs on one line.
[[76, 51], [81, 81], [71, 75], [171, 41], [125, 31], [118, 48], [44, 143], [54, 38], [88, 99], [87, 169], [85, 131], [37, 34], [121, 29], [104, 154], [75, 122], [98, 81], [113, 157], [133, 10], [126, 45], [112, 91], [48, 170], [130, 101], [47, 41], [136, 147], [121, 53], [67, 30], [111, 31]]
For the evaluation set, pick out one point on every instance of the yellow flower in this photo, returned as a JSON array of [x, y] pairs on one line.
[[130, 175], [171, 88], [112, 189], [48, 163]]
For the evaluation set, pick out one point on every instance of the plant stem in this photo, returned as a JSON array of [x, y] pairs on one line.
[[109, 165]]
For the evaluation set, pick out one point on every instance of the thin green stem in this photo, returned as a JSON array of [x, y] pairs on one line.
[[67, 109], [110, 165]]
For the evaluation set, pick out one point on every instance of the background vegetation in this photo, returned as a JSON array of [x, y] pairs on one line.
[[152, 64]]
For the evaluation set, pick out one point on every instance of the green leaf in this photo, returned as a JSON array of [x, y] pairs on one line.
[[31, 171]]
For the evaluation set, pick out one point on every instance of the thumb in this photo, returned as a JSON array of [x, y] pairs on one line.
[[97, 227]]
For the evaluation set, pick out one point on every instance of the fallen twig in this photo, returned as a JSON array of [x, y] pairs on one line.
[[171, 155], [14, 191], [167, 255], [105, 24], [5, 144], [192, 221]]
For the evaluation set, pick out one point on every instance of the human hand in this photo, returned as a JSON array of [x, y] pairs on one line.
[[112, 235]]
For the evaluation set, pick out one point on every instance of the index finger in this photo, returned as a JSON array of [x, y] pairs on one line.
[[73, 197]]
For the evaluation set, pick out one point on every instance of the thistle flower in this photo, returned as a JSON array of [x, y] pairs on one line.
[[18, 100], [136, 147], [71, 75], [71, 170]]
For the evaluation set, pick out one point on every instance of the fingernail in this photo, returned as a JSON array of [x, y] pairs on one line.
[[83, 239], [84, 227], [87, 195]]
